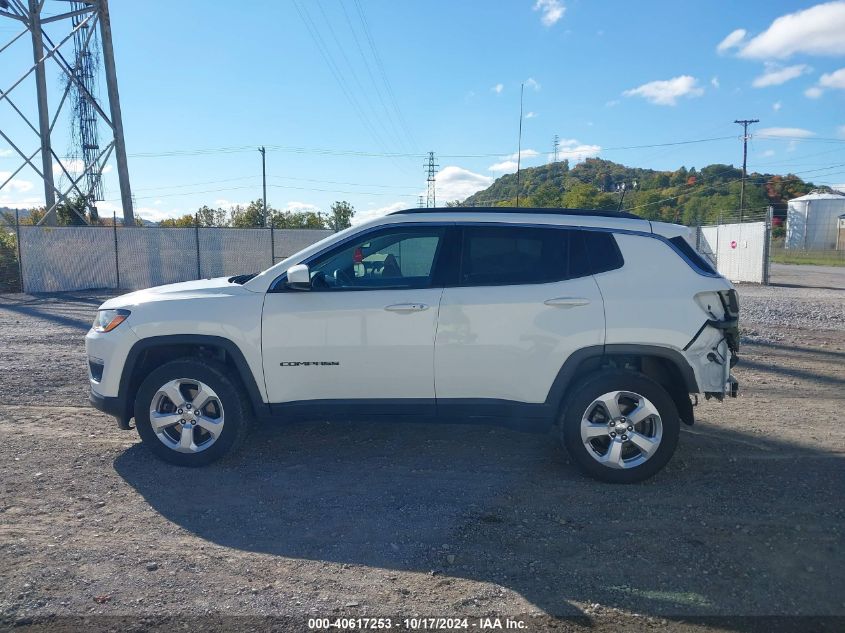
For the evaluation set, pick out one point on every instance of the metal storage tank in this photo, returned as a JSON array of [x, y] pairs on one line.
[[812, 221]]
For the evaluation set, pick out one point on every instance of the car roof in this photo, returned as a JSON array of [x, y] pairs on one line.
[[601, 213]]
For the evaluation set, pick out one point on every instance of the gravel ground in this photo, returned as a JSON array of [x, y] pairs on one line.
[[804, 296], [407, 519]]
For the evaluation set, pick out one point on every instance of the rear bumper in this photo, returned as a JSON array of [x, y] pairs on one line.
[[113, 406], [732, 387]]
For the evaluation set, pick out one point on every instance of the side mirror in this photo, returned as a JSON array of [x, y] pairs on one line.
[[299, 277]]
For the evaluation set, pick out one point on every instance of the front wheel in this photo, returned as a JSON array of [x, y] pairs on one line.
[[190, 413], [620, 426]]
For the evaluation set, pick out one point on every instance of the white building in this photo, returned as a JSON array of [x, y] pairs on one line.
[[812, 221]]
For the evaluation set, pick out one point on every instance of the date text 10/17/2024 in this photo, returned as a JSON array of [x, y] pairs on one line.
[[417, 624]]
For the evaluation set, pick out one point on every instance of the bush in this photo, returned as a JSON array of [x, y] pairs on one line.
[[10, 280]]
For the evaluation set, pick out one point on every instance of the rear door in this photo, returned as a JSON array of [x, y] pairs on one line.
[[525, 300]]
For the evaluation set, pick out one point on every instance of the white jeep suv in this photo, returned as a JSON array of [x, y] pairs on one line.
[[599, 325]]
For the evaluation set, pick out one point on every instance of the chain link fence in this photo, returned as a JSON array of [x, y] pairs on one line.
[[56, 259]]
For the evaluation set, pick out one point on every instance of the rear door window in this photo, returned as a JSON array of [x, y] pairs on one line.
[[505, 255]]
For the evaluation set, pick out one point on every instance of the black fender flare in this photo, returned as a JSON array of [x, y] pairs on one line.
[[245, 375], [593, 357]]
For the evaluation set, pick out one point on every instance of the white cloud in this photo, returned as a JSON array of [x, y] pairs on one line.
[[776, 106], [667, 92], [612, 103], [840, 131], [714, 82], [363, 215], [531, 115], [551, 11], [498, 88], [839, 188], [73, 165], [6, 153], [107, 169], [151, 214], [505, 166], [18, 185], [733, 40], [835, 79], [532, 83], [575, 151], [814, 31], [295, 206], [768, 153], [457, 183], [508, 163], [223, 203], [784, 132], [775, 75]]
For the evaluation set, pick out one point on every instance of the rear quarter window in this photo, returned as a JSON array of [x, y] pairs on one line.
[[601, 250], [691, 255]]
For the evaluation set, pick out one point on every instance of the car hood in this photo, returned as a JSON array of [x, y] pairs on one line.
[[203, 288]]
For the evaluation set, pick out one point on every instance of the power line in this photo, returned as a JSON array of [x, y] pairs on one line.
[[384, 75], [372, 154]]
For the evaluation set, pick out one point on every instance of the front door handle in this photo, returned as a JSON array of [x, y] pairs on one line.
[[567, 302], [406, 307]]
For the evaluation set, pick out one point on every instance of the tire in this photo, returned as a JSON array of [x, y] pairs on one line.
[[220, 427], [597, 435]]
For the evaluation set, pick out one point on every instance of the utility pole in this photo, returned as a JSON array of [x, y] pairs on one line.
[[264, 180], [556, 148], [744, 123], [519, 143], [431, 167]]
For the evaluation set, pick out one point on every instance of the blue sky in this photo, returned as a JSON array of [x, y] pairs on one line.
[[445, 77]]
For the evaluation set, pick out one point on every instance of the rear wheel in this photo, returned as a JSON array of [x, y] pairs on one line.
[[620, 427], [190, 413]]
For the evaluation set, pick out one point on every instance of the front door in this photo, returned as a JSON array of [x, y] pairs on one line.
[[363, 336]]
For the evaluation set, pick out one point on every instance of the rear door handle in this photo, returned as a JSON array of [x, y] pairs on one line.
[[406, 307], [567, 302]]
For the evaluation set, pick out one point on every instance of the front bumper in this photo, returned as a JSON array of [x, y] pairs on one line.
[[113, 406]]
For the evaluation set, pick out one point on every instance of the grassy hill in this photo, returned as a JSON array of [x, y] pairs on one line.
[[688, 196]]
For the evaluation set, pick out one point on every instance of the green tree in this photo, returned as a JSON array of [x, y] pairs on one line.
[[71, 212], [250, 216], [341, 215], [298, 220], [206, 216], [183, 222]]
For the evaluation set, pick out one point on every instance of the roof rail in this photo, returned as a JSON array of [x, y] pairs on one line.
[[548, 211]]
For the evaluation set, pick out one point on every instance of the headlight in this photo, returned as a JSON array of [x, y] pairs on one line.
[[107, 320]]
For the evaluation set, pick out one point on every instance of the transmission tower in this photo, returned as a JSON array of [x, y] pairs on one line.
[[421, 202], [431, 168], [51, 24], [84, 129], [555, 148]]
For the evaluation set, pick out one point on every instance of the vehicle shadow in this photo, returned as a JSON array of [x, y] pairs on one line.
[[63, 309], [735, 525]]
